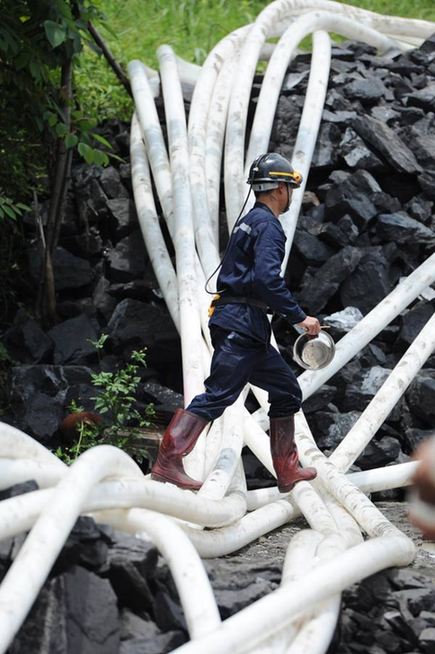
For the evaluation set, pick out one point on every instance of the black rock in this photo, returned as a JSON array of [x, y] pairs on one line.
[[67, 309], [338, 235], [124, 215], [326, 281], [368, 91], [241, 593], [427, 183], [325, 153], [75, 612], [168, 613], [343, 422], [86, 245], [90, 197], [414, 437], [360, 392], [26, 342], [70, 272], [385, 142], [19, 489], [356, 154], [372, 355], [311, 250], [166, 400], [320, 400], [320, 424], [400, 228], [379, 453], [420, 208], [87, 546], [157, 643], [138, 289], [135, 324], [38, 395], [72, 341], [425, 98], [130, 566], [102, 300], [354, 196], [111, 183], [420, 396], [423, 146], [127, 260], [412, 322], [369, 282]]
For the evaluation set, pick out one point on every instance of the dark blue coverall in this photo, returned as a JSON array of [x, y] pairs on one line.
[[240, 332]]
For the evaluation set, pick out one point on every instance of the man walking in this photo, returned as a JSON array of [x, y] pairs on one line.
[[249, 286]]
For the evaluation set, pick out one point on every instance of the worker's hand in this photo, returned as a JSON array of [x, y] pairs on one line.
[[424, 488], [311, 325]]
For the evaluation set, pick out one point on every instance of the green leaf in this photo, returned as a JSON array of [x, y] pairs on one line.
[[71, 140], [101, 140], [86, 152], [55, 33], [9, 212], [60, 130], [100, 158]]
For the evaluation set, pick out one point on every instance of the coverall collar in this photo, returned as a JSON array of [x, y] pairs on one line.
[[262, 205]]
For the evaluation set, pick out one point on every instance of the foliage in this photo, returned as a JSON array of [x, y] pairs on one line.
[[11, 209], [37, 38], [191, 27], [115, 399]]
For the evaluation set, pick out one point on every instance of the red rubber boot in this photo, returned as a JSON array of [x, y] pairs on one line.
[[285, 456], [178, 440]]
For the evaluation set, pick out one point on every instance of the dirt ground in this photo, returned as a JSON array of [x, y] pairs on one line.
[[272, 547]]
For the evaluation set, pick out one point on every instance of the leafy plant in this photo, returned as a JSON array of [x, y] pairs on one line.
[[10, 209], [115, 400]]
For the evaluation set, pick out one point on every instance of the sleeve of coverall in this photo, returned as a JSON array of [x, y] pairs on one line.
[[269, 286]]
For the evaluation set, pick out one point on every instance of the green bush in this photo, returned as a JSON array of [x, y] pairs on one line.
[[114, 399]]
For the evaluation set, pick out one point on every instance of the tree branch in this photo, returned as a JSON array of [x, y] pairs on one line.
[[110, 58]]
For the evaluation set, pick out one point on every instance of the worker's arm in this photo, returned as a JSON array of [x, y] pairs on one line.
[[268, 285]]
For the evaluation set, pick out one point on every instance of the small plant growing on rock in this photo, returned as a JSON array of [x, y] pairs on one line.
[[115, 400]]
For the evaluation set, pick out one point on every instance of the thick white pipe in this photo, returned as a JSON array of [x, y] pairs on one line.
[[272, 15], [33, 562], [250, 527], [183, 237], [18, 513], [420, 29], [284, 52], [219, 480], [385, 398], [196, 595], [263, 618], [373, 323], [149, 221], [215, 139], [15, 444], [369, 481], [205, 232], [18, 471], [152, 134]]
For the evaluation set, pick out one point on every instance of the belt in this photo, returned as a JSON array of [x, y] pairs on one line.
[[252, 302]]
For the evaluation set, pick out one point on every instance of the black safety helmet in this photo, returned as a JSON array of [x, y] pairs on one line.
[[269, 169]]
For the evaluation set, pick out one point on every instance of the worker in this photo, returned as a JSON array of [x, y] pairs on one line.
[[249, 286]]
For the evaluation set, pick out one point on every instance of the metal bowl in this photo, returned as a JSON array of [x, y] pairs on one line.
[[314, 352]]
